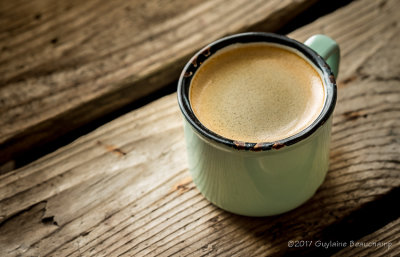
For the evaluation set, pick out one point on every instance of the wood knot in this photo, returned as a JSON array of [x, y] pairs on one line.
[[112, 149], [54, 41], [183, 186], [349, 79], [353, 115]]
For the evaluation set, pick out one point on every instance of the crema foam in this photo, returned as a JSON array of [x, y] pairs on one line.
[[256, 92]]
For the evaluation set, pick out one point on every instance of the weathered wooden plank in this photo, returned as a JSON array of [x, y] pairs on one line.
[[360, 32], [124, 189], [64, 64], [383, 242]]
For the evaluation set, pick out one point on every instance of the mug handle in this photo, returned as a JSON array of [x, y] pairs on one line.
[[327, 48]]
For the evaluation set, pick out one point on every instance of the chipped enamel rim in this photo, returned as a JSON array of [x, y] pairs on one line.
[[256, 37]]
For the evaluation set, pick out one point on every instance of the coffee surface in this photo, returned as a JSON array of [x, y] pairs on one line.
[[256, 92]]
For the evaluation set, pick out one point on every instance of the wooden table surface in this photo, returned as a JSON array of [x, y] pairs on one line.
[[124, 187]]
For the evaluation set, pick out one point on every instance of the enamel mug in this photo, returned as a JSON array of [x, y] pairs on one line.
[[268, 178]]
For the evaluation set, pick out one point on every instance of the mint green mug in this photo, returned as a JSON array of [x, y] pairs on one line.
[[268, 178]]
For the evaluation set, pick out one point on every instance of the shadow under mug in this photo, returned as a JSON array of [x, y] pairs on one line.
[[269, 178]]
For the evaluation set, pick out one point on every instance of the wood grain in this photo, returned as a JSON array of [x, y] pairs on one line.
[[360, 32], [383, 242], [64, 64], [124, 189]]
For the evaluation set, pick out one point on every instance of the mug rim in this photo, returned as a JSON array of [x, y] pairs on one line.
[[195, 62]]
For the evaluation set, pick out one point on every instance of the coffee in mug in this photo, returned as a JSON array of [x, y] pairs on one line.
[[256, 92]]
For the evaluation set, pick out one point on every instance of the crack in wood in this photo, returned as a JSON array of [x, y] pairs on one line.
[[112, 149], [353, 115], [183, 186], [49, 221]]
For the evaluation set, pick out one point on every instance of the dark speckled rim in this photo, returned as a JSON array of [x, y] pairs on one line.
[[251, 37]]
